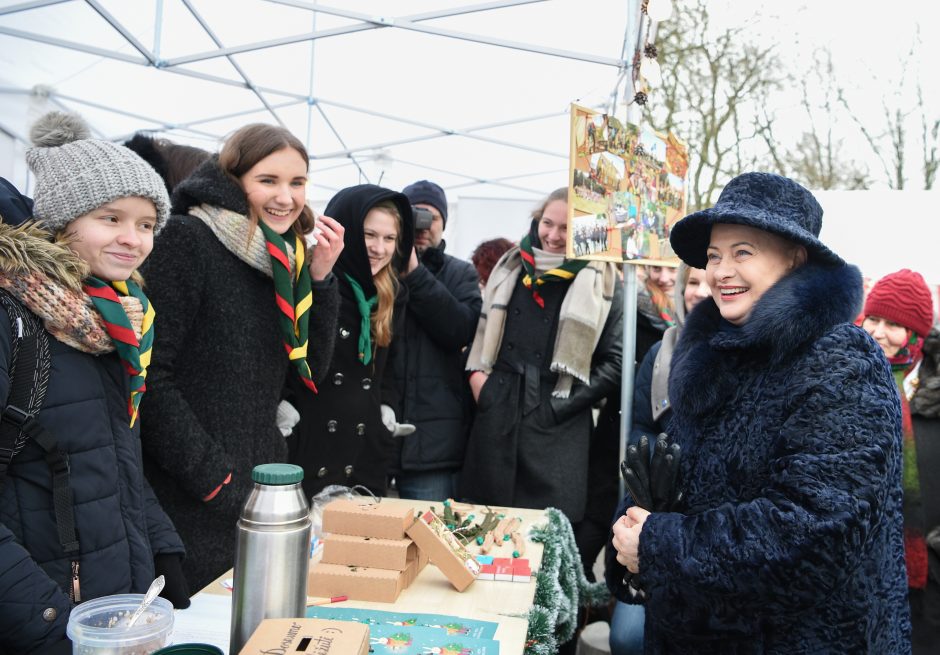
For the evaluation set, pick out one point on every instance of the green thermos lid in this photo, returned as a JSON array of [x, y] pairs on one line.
[[277, 474], [190, 649]]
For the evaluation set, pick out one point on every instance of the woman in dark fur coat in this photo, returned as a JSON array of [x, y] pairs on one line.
[[787, 537]]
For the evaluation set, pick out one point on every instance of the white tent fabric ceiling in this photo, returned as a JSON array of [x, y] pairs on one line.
[[474, 96]]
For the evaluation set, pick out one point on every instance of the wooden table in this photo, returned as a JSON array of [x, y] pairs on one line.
[[505, 603]]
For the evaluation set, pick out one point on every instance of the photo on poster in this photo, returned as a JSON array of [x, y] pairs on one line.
[[591, 234], [628, 186]]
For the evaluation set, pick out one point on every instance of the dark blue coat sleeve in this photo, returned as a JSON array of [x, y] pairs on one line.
[[26, 592], [25, 589]]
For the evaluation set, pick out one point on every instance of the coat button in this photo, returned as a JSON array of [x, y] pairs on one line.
[[361, 429], [49, 614], [545, 320], [516, 311], [331, 426], [322, 472], [338, 379], [509, 346], [349, 471], [366, 383], [343, 333]]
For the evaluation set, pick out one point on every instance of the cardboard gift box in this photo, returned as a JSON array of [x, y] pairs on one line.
[[366, 518], [445, 551], [310, 636], [355, 582], [394, 554]]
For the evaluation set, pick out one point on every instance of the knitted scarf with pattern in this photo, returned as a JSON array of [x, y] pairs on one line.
[[533, 280], [134, 351], [280, 257], [904, 366], [74, 318]]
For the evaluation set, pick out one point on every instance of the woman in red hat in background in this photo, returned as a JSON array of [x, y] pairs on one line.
[[899, 316]]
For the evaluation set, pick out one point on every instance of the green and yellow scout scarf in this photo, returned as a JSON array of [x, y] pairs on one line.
[[293, 294], [366, 307], [135, 354], [533, 281]]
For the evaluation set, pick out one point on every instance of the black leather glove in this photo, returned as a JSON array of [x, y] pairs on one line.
[[652, 480], [663, 471], [636, 473], [175, 589]]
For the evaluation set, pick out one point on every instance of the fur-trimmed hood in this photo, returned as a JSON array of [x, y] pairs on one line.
[[796, 311], [28, 249]]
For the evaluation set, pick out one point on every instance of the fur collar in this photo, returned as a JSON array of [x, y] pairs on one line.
[[28, 250], [796, 311], [46, 276]]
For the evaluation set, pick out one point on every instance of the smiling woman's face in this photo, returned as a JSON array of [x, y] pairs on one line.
[[276, 188], [743, 263], [553, 227], [381, 233]]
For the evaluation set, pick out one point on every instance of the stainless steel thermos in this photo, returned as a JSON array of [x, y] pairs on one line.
[[272, 552]]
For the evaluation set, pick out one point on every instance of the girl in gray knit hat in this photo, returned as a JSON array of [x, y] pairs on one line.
[[78, 520]]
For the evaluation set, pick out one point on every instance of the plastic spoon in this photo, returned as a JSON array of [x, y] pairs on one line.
[[155, 588]]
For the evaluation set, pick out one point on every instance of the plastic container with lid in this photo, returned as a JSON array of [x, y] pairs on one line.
[[99, 626]]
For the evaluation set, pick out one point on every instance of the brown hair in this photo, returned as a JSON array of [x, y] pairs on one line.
[[181, 160], [557, 194], [252, 143], [386, 285], [173, 161], [486, 255]]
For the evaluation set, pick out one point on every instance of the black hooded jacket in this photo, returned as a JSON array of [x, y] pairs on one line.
[[340, 438]]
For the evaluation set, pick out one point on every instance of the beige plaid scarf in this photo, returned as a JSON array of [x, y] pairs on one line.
[[581, 319]]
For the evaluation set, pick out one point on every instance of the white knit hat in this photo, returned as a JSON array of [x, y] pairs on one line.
[[76, 174]]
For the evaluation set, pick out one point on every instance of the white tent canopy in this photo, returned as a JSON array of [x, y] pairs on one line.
[[472, 96]]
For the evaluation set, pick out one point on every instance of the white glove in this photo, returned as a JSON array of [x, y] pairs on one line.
[[397, 429], [287, 417]]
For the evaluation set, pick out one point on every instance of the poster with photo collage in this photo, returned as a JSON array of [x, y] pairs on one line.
[[626, 189]]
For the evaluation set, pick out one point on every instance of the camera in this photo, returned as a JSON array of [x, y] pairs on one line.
[[423, 218]]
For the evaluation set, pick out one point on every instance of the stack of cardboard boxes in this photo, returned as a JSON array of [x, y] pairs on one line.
[[374, 550], [367, 554]]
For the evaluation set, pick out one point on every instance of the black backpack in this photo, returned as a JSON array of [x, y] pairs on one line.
[[30, 363]]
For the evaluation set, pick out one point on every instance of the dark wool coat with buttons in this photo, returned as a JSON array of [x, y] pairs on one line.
[[219, 368], [527, 449], [341, 438], [119, 524], [788, 538]]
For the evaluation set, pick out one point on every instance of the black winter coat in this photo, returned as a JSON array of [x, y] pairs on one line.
[[119, 524], [788, 538], [219, 369], [341, 438], [427, 361], [527, 449]]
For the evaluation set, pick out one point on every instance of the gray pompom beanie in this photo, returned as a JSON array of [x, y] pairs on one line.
[[76, 174]]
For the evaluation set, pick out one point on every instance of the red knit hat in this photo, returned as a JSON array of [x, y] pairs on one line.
[[903, 298]]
